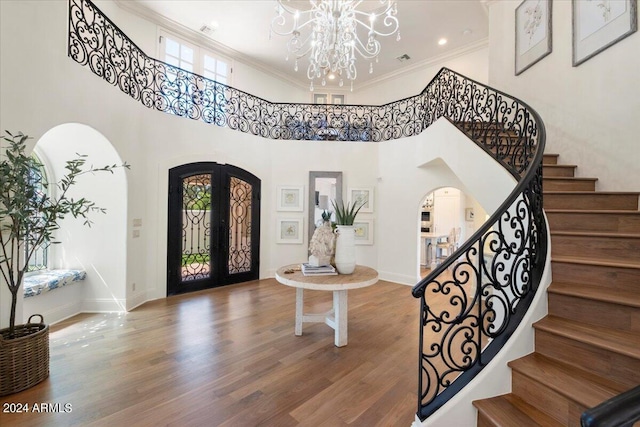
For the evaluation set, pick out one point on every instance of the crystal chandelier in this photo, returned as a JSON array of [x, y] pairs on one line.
[[330, 34]]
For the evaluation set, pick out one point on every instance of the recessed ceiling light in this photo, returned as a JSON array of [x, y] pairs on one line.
[[331, 76], [442, 41]]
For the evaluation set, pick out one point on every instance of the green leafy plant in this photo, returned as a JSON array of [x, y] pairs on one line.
[[29, 217], [345, 215]]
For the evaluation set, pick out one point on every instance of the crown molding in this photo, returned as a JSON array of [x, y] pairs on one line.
[[201, 40], [434, 61]]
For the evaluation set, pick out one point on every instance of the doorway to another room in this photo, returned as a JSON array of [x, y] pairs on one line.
[[447, 218]]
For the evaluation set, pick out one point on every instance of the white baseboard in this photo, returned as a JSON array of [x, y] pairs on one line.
[[402, 279], [137, 300], [104, 305]]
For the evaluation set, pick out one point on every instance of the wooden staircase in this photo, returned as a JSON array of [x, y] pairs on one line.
[[587, 349]]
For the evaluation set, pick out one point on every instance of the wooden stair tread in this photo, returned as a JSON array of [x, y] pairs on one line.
[[582, 192], [594, 211], [611, 234], [571, 178], [559, 165], [575, 384], [598, 262], [509, 410], [615, 340]]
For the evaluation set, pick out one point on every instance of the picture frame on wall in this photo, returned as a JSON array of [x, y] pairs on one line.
[[362, 196], [599, 24], [363, 232], [289, 231], [290, 198], [533, 33]]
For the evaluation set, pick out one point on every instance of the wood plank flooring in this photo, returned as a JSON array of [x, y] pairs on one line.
[[229, 357]]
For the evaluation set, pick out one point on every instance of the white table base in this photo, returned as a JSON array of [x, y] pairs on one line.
[[336, 318]]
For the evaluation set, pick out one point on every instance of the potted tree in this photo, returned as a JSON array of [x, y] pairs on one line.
[[345, 243], [29, 219]]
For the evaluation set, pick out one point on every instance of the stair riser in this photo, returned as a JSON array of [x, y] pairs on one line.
[[615, 222], [484, 422], [568, 185], [594, 247], [614, 278], [593, 312], [591, 201], [546, 400], [549, 159], [614, 366], [561, 171]]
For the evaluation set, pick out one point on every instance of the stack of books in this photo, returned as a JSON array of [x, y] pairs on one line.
[[322, 270]]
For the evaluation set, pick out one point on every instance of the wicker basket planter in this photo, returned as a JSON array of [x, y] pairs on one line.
[[24, 360]]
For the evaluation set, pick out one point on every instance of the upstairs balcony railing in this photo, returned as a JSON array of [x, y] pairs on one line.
[[488, 283]]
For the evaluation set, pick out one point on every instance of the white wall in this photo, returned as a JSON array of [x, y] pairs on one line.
[[408, 169], [472, 63], [591, 111]]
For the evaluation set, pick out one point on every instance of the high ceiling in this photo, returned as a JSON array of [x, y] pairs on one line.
[[241, 29]]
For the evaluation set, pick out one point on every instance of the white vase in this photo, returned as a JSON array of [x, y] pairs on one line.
[[345, 249]]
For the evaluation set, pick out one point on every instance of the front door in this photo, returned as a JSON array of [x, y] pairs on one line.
[[214, 227]]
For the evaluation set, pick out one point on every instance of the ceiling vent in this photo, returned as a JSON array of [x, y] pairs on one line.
[[207, 30], [403, 58]]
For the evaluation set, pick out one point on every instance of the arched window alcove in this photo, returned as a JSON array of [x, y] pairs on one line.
[[100, 250]]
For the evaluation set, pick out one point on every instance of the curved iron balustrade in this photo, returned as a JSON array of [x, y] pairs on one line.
[[489, 281]]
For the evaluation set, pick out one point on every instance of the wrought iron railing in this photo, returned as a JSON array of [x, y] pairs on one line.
[[95, 41], [489, 281]]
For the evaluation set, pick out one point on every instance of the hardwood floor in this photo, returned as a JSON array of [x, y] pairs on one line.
[[228, 357]]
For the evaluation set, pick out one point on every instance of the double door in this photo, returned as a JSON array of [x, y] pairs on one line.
[[213, 227]]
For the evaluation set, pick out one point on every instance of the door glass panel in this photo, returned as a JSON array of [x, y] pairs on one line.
[[196, 227], [239, 226]]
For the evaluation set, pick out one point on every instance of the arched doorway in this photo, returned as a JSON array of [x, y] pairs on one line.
[[213, 227]]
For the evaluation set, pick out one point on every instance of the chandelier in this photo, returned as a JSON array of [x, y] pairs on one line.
[[330, 35]]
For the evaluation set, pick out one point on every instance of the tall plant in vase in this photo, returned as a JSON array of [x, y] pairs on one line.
[[29, 218], [345, 243]]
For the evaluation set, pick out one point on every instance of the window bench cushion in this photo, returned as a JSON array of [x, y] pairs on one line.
[[44, 281]]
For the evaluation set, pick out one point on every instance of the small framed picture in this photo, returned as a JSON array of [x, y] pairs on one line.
[[289, 231], [600, 24], [290, 198], [533, 33], [468, 214], [362, 196], [363, 232]]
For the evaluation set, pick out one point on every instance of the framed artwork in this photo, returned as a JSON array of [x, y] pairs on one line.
[[362, 196], [468, 214], [599, 24], [533, 33], [363, 232], [290, 198], [289, 231]]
